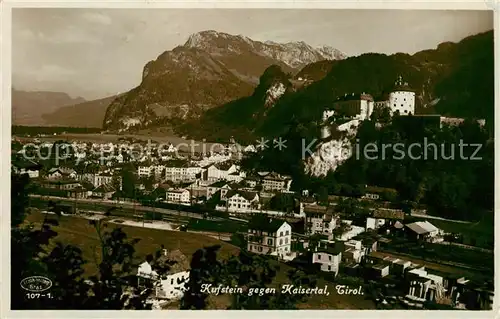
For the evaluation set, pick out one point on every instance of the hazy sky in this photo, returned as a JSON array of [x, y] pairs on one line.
[[94, 53]]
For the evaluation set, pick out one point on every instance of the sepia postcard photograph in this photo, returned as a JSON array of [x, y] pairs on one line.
[[249, 159]]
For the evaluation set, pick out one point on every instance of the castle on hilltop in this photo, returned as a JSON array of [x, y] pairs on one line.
[[401, 100]]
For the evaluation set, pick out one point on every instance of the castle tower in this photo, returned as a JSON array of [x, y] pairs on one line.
[[402, 98]]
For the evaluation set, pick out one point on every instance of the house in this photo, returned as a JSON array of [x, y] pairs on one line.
[[26, 167], [423, 287], [144, 171], [219, 171], [374, 223], [62, 184], [276, 182], [221, 186], [423, 231], [241, 201], [351, 231], [61, 172], [380, 270], [236, 177], [252, 181], [473, 295], [354, 251], [80, 192], [104, 178], [171, 285], [328, 255], [158, 171], [179, 196], [98, 179], [181, 171], [384, 217], [104, 191], [400, 266], [319, 220], [269, 236]]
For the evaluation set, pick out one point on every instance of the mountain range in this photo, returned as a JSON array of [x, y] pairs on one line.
[[455, 79], [217, 86], [85, 114], [28, 107], [210, 69]]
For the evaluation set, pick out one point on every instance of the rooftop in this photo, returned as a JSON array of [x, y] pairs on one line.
[[265, 223], [354, 97], [218, 184], [104, 188], [400, 85], [422, 227], [331, 250], [246, 195]]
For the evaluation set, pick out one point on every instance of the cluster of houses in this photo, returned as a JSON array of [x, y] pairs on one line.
[[328, 241], [171, 178], [354, 249]]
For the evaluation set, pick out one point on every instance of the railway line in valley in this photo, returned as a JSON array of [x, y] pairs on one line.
[[120, 208]]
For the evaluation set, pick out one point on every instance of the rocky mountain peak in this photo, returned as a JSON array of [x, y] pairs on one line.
[[211, 68]]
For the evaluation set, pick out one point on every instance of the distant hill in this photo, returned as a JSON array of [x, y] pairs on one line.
[[86, 114], [28, 107]]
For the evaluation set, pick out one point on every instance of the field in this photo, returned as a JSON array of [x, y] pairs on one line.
[[78, 232]]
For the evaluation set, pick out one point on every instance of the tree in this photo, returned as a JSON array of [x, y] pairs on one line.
[[284, 202], [239, 240], [111, 288], [27, 245], [205, 270], [322, 195]]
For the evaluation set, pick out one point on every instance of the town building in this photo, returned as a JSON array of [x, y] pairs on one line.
[[329, 256], [269, 236], [219, 171], [319, 220], [28, 167], [61, 173], [144, 171], [177, 171], [169, 287], [241, 201], [61, 184], [384, 217], [178, 196], [276, 182], [423, 287], [220, 186], [354, 251], [104, 191], [423, 230]]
